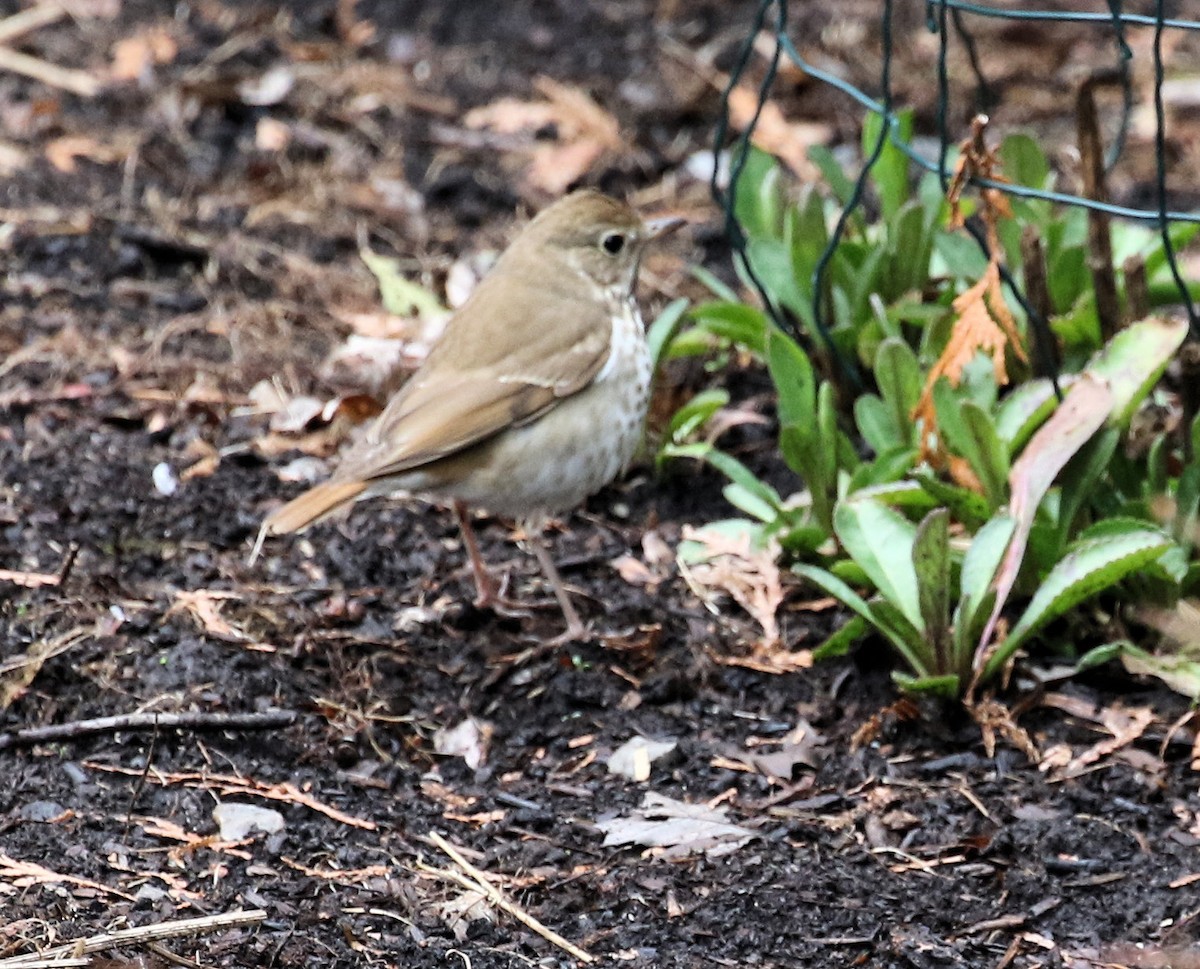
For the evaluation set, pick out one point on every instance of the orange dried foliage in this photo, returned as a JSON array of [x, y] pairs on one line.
[[984, 322]]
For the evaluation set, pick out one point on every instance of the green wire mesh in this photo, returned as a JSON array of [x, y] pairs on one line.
[[950, 21]]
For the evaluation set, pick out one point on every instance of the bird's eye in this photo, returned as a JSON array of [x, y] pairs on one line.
[[613, 243]]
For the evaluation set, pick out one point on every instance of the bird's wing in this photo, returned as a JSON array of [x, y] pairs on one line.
[[473, 386]]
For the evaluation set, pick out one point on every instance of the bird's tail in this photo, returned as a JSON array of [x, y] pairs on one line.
[[306, 509]]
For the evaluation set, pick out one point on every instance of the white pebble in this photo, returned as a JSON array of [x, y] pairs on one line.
[[165, 482]]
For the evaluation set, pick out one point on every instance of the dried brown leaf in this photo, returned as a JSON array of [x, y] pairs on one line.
[[775, 133], [134, 56], [204, 605], [732, 564], [63, 152], [583, 132]]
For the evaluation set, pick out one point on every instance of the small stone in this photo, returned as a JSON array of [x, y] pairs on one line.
[[236, 821]]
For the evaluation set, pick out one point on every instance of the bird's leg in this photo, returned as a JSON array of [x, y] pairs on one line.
[[489, 594], [576, 631], [487, 589]]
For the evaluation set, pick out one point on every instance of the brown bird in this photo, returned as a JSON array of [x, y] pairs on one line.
[[532, 400]]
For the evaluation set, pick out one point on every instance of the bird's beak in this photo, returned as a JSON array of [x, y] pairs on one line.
[[657, 228]]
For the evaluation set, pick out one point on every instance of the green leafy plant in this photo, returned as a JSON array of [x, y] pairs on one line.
[[958, 506]]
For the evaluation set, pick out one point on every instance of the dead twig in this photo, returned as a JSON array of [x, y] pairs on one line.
[[72, 951], [1099, 249], [18, 672], [476, 881], [36, 580], [19, 24], [148, 721], [65, 78], [286, 792]]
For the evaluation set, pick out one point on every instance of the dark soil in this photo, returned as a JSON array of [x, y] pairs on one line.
[[147, 291]]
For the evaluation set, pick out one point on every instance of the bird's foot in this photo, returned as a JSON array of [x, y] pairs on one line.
[[491, 596]]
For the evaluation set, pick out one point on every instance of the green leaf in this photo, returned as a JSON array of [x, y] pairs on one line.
[[890, 623], [730, 466], [660, 333], [1085, 572], [917, 651], [1187, 503], [743, 325], [807, 235], [689, 342], [839, 642], [823, 464], [899, 494], [986, 452], [713, 284], [743, 499], [948, 686], [875, 424], [960, 256], [1024, 410], [772, 263], [803, 539], [797, 446], [880, 540], [983, 558], [397, 294], [1079, 478], [1171, 566], [792, 374], [968, 507], [1023, 162], [830, 584], [1067, 277], [1098, 656], [898, 375], [890, 172], [1180, 233], [909, 247], [931, 560], [759, 203], [1133, 361], [886, 470], [841, 183], [866, 282], [970, 619], [695, 413]]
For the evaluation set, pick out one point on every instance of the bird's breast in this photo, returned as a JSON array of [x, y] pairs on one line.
[[552, 464]]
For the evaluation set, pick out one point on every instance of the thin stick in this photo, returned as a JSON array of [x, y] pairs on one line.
[[77, 82], [148, 721], [27, 21], [28, 580], [144, 933], [163, 952], [478, 882], [1099, 249]]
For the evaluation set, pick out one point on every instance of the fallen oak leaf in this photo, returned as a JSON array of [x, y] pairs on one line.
[[675, 829]]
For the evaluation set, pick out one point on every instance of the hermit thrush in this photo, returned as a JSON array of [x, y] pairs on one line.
[[532, 400]]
